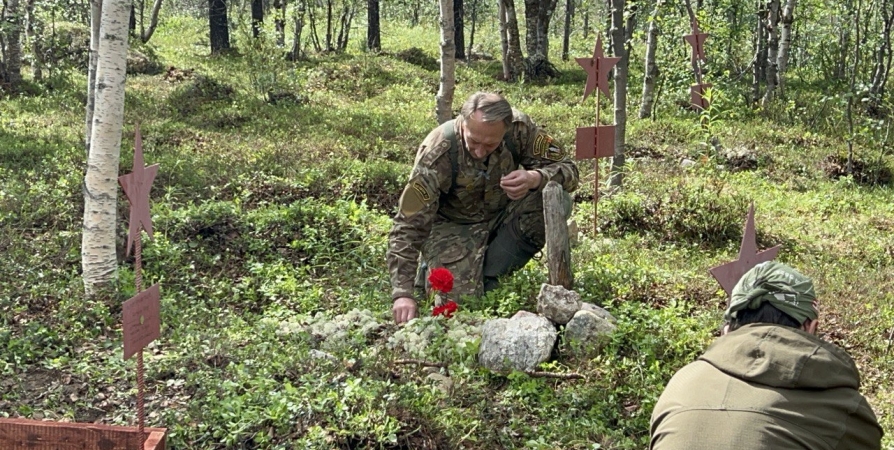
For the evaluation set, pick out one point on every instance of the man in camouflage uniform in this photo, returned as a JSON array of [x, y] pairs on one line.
[[468, 205], [768, 382]]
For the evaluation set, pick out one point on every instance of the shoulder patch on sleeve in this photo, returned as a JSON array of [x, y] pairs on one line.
[[415, 198], [545, 147]]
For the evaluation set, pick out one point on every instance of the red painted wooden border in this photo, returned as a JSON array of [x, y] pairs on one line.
[[24, 434]]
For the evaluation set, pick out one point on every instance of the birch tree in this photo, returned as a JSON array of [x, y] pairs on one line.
[[146, 33], [883, 55], [444, 99], [772, 66], [650, 77], [621, 31], [513, 61], [10, 44], [95, 19], [785, 40], [98, 257]]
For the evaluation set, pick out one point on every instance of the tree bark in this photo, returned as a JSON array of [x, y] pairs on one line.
[[537, 17], [459, 36], [444, 98], [772, 52], [98, 257], [32, 39], [347, 16], [785, 41], [153, 22], [295, 52], [651, 70], [95, 20], [328, 25], [504, 41], [566, 34], [760, 56], [12, 61], [619, 37], [883, 55], [513, 54], [373, 34], [558, 248], [257, 17], [472, 28], [219, 26]]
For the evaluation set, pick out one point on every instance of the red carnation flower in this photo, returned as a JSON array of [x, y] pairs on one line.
[[446, 310], [441, 280]]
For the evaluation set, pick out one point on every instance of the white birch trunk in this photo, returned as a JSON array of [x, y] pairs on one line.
[[98, 257], [444, 99], [651, 72], [95, 18], [772, 51], [785, 40]]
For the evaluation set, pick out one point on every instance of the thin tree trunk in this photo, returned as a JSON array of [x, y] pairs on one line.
[[459, 37], [504, 41], [444, 99], [373, 35], [760, 55], [566, 33], [98, 257], [586, 23], [279, 21], [651, 70], [772, 52], [619, 40], [33, 39], [853, 91], [95, 19], [328, 25], [13, 56], [295, 52], [347, 16], [153, 22], [314, 37], [219, 26], [883, 59], [257, 17], [785, 41], [472, 27]]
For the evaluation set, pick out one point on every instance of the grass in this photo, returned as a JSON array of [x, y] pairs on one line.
[[271, 227]]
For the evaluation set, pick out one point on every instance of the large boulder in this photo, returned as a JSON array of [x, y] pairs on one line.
[[519, 343], [598, 311], [586, 333], [557, 303]]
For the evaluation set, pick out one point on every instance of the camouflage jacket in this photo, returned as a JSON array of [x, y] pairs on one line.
[[477, 197]]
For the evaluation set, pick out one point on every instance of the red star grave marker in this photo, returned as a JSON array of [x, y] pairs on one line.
[[595, 142], [597, 68], [728, 274], [697, 41], [141, 320], [136, 186]]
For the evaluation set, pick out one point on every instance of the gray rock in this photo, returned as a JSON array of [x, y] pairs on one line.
[[444, 383], [587, 333], [557, 303], [584, 306], [520, 343], [687, 163]]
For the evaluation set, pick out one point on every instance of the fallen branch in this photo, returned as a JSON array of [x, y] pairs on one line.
[[560, 376], [420, 362]]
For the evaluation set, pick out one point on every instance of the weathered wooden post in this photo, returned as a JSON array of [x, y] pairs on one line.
[[558, 248]]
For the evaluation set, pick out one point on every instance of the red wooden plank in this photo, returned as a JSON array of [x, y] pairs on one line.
[[25, 434]]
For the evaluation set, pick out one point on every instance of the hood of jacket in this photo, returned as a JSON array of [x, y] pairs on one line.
[[783, 357]]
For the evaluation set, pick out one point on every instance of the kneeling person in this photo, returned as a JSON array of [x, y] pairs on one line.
[[768, 382], [473, 203]]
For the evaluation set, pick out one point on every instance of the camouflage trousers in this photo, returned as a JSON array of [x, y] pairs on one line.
[[465, 249]]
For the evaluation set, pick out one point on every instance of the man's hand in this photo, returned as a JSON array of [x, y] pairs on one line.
[[518, 182], [404, 309]]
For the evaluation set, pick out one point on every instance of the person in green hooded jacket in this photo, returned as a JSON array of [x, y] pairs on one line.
[[768, 382]]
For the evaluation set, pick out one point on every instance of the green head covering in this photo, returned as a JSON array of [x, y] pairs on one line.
[[782, 286]]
